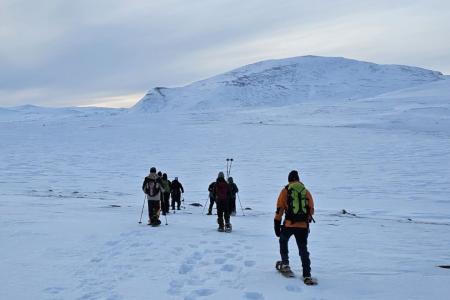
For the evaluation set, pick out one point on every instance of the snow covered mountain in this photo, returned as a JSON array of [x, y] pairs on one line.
[[275, 83]]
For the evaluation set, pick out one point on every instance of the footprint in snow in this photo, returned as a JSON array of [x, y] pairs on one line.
[[54, 290], [199, 293], [185, 268], [293, 288], [253, 296], [228, 268], [249, 263], [197, 255], [220, 261], [175, 287], [111, 243]]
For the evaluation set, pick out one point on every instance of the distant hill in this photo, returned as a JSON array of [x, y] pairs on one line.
[[275, 83]]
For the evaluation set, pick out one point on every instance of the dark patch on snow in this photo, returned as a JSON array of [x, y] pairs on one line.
[[445, 266], [196, 204], [344, 212], [248, 208]]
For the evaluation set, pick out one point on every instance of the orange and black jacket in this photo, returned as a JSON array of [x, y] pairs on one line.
[[282, 206]]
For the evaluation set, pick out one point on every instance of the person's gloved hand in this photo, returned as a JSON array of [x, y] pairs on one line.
[[277, 227]]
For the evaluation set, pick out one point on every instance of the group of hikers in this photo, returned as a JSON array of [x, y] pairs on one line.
[[223, 193], [294, 203], [159, 189]]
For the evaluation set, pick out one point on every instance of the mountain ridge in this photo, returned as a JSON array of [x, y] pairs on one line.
[[281, 82]]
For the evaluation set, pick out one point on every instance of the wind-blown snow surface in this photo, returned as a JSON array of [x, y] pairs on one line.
[[384, 158]]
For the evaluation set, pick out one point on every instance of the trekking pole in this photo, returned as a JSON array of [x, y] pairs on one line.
[[240, 204], [142, 211], [204, 206], [166, 219], [227, 166], [182, 203], [229, 170]]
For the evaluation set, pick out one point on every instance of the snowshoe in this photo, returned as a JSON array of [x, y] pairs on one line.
[[228, 228], [284, 269], [309, 281], [156, 223]]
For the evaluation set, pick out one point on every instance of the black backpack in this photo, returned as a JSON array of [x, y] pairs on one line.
[[152, 187], [298, 204]]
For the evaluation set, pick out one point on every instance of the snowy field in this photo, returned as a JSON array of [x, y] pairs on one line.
[[70, 200]]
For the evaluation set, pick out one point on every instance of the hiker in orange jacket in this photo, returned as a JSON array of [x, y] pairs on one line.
[[297, 205]]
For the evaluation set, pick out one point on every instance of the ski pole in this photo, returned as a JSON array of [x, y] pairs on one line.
[[166, 219], [240, 204], [203, 211], [227, 166], [182, 205], [142, 211], [229, 170]]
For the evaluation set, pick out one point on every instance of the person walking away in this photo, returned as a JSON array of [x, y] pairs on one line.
[[152, 188], [166, 185], [233, 191], [222, 201], [212, 196], [176, 191], [297, 205]]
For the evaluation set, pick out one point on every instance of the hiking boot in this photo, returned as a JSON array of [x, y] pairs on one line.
[[309, 281], [284, 268], [209, 213], [220, 229]]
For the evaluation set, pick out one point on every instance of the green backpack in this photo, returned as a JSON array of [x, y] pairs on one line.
[[298, 203]]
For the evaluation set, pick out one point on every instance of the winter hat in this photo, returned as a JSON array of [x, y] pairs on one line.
[[230, 179], [221, 175], [165, 176], [159, 174], [152, 170], [293, 176]]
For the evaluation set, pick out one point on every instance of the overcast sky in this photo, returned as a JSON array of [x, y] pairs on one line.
[[110, 52]]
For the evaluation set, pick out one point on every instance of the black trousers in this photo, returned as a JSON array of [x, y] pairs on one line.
[[176, 198], [233, 204], [153, 210], [301, 237], [165, 202], [223, 212]]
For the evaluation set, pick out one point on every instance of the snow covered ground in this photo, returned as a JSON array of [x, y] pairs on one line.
[[70, 199]]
